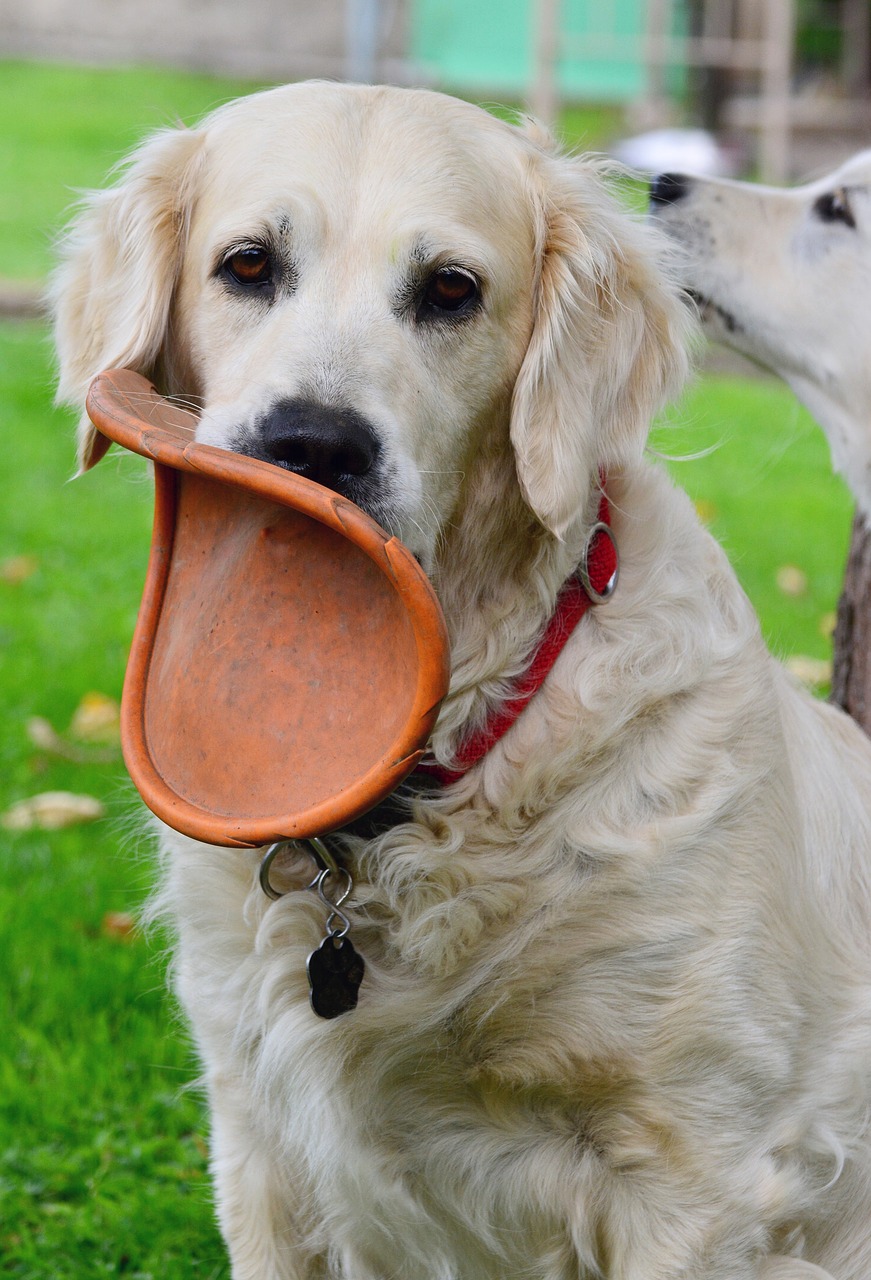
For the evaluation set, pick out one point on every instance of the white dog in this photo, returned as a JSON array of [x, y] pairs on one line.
[[616, 1018], [784, 276]]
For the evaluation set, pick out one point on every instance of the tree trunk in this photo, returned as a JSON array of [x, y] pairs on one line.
[[851, 672]]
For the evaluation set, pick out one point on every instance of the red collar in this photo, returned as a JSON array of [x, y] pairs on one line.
[[593, 582]]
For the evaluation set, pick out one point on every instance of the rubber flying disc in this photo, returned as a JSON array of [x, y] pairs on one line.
[[289, 658]]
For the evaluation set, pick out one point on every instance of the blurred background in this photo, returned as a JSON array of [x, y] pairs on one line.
[[103, 1146]]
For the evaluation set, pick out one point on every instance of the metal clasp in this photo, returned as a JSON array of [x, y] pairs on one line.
[[334, 969], [318, 850], [606, 592], [328, 869]]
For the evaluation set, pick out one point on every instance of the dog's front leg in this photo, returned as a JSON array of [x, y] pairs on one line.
[[258, 1207]]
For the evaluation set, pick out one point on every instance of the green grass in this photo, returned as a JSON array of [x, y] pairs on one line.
[[767, 492], [63, 130], [102, 1155]]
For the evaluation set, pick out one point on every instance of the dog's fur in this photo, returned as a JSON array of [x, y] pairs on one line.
[[784, 277], [616, 1019]]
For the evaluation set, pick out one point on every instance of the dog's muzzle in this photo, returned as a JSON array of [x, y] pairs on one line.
[[669, 188]]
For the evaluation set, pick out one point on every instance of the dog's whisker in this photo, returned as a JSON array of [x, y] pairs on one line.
[[431, 514], [187, 402], [147, 404], [693, 456]]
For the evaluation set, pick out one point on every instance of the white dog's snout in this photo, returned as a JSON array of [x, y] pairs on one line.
[[669, 188]]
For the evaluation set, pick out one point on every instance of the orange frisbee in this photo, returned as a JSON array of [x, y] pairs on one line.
[[289, 658]]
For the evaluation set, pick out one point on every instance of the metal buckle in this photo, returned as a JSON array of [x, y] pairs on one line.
[[316, 848], [599, 597]]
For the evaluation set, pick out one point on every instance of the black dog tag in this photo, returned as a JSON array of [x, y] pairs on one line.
[[335, 972]]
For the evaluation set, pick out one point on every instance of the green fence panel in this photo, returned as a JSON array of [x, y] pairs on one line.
[[487, 45]]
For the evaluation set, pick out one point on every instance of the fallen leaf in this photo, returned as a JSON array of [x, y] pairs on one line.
[[118, 924], [43, 735], [810, 671], [51, 810], [18, 569], [97, 718], [828, 622], [705, 510], [791, 580]]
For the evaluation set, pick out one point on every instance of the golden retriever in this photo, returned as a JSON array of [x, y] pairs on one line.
[[616, 1018], [780, 276]]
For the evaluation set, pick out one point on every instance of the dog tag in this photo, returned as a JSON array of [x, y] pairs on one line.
[[335, 972]]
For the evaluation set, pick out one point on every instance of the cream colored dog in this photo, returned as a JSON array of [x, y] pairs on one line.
[[784, 276], [616, 1019]]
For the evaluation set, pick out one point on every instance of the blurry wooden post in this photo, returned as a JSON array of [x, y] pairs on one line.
[[856, 55], [657, 35], [851, 668], [776, 90], [544, 97], [715, 24]]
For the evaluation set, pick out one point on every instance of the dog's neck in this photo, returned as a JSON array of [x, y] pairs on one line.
[[498, 577], [550, 627], [840, 406]]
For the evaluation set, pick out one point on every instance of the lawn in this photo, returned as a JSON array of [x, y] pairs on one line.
[[64, 128], [102, 1145], [102, 1155]]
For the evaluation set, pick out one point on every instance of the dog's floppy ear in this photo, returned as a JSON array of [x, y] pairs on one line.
[[608, 344], [112, 292]]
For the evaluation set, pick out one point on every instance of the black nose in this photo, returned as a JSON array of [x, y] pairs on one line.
[[330, 446], [668, 188]]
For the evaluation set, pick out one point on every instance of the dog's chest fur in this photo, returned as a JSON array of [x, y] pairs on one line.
[[512, 1073]]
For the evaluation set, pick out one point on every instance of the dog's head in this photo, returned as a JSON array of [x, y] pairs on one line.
[[783, 277], [373, 287], [772, 267]]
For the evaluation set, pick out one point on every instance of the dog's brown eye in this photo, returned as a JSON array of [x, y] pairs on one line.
[[450, 290], [835, 207], [249, 266]]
